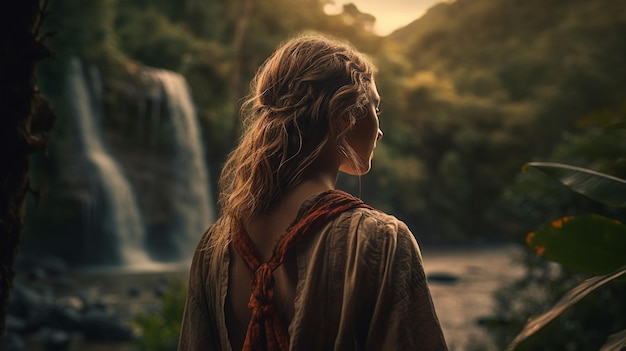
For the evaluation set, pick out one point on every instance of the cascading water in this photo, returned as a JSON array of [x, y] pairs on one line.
[[122, 219], [189, 193], [158, 155]]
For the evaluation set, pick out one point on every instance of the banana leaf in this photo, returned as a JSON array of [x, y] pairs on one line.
[[569, 299], [615, 125], [597, 186], [616, 342], [590, 244]]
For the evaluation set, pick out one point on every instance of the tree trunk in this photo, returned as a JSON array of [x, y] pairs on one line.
[[239, 36], [24, 117]]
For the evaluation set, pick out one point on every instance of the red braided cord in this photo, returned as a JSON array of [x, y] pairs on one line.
[[265, 329]]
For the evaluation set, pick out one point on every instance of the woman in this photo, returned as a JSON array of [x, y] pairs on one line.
[[292, 263]]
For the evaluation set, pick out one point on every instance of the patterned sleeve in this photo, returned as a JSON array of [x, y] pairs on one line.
[[403, 316], [197, 331]]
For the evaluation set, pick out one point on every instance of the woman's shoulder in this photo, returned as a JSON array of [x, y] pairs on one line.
[[376, 222], [215, 237], [376, 234], [380, 217]]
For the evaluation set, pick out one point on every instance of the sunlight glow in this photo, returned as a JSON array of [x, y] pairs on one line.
[[390, 15]]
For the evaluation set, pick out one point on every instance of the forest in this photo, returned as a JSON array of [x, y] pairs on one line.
[[471, 91]]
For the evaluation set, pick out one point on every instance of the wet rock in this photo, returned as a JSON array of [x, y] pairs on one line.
[[15, 324], [442, 278], [37, 315], [74, 302], [104, 327], [63, 317], [22, 299], [58, 340], [161, 287], [37, 273], [12, 342], [488, 321], [40, 266], [134, 292], [51, 315], [53, 339]]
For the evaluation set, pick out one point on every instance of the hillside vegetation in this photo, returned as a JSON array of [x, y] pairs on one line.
[[471, 91], [475, 88]]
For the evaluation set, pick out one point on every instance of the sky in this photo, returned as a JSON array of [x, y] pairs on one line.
[[390, 14]]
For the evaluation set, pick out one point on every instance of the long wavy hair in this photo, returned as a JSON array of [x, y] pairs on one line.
[[297, 97]]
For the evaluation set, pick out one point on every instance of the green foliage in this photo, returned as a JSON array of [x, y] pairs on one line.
[[470, 90], [513, 73], [159, 329], [579, 241], [572, 297], [590, 244], [582, 326], [393, 169], [529, 202], [151, 38], [595, 185], [82, 28], [197, 39]]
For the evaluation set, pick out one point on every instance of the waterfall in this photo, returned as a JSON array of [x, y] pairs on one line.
[[121, 216], [190, 194], [161, 160]]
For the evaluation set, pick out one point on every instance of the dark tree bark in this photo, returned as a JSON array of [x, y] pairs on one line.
[[238, 87], [241, 28], [24, 119]]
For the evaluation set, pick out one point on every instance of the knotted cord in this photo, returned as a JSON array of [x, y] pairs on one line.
[[265, 329]]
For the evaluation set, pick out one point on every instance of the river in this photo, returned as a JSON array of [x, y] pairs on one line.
[[460, 303]]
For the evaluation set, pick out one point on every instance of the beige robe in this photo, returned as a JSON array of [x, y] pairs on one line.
[[361, 286]]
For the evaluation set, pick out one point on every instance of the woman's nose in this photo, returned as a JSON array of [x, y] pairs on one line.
[[379, 135]]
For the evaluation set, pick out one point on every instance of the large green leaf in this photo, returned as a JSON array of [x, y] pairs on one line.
[[598, 186], [590, 244], [616, 342], [615, 125], [571, 297]]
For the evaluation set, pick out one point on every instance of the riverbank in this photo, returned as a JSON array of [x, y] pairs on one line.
[[462, 281], [91, 309], [466, 298]]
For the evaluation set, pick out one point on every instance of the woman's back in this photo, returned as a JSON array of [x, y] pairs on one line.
[[359, 285], [265, 231]]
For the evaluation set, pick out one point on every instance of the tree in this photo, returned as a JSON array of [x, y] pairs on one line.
[[26, 117]]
